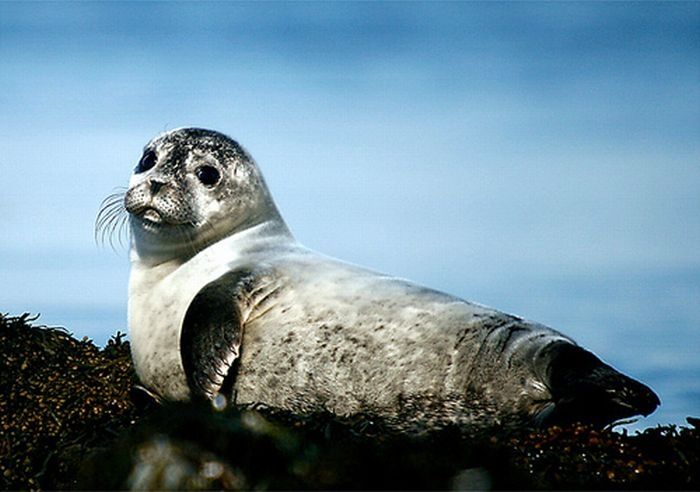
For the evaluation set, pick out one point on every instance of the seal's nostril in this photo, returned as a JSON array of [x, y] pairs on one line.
[[155, 185]]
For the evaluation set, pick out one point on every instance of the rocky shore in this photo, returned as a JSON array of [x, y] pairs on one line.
[[71, 417]]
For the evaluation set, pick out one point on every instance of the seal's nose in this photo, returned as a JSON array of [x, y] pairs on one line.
[[155, 185]]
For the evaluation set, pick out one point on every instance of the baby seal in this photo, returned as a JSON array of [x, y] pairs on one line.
[[223, 300]]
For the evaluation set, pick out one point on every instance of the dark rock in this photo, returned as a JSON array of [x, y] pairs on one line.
[[70, 418]]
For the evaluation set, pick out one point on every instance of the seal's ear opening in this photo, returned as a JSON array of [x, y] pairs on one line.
[[211, 337], [584, 389]]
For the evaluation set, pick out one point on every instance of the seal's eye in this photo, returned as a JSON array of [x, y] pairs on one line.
[[147, 162], [208, 175]]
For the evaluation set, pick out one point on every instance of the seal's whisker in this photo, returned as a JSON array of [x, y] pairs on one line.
[[111, 201], [106, 217], [109, 218], [123, 233], [112, 198], [103, 219], [108, 229], [112, 228]]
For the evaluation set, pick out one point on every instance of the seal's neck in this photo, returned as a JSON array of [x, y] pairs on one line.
[[254, 234]]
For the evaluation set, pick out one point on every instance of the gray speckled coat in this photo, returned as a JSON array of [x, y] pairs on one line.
[[319, 334], [222, 299]]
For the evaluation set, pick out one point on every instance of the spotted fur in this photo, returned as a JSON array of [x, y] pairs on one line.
[[306, 333]]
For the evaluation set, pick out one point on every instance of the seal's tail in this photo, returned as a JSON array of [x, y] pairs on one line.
[[585, 389]]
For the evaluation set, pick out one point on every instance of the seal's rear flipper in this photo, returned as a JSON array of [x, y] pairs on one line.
[[585, 389]]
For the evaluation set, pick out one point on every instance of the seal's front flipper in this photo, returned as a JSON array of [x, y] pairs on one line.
[[211, 337], [585, 389]]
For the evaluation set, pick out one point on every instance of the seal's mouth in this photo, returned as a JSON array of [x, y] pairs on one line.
[[152, 215], [152, 220]]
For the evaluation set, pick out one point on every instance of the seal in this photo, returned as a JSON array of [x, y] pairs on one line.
[[224, 301]]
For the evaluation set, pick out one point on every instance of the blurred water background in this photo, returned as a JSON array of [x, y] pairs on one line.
[[541, 158]]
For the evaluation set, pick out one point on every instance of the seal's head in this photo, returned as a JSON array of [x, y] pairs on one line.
[[191, 188]]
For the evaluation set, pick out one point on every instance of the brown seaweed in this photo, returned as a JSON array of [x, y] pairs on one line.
[[70, 419]]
